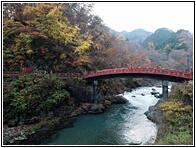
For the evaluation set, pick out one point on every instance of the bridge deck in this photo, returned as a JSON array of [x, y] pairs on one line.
[[153, 73], [158, 73]]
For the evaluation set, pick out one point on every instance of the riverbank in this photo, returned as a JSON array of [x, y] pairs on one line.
[[60, 119], [173, 128], [28, 134], [174, 118], [47, 126], [26, 131]]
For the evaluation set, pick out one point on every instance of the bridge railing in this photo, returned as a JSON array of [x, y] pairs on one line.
[[130, 70], [139, 70], [11, 74], [69, 74], [26, 70]]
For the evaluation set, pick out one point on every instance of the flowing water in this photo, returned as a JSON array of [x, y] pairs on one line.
[[121, 124]]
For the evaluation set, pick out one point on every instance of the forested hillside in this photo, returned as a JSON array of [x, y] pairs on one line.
[[68, 38], [164, 38], [176, 49], [59, 37]]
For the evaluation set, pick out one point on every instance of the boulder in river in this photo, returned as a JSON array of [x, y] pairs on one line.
[[96, 108], [157, 95], [107, 103], [135, 143], [85, 108], [154, 114], [154, 92], [118, 99]]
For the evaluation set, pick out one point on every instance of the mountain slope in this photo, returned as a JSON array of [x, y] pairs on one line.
[[137, 35], [163, 38]]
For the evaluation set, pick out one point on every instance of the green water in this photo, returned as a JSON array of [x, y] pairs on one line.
[[121, 124]]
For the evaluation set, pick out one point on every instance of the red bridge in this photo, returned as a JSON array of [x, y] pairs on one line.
[[154, 73], [136, 72]]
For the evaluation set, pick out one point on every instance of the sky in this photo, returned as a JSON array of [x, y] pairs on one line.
[[149, 16]]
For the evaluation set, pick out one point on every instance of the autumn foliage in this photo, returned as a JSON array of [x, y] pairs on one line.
[[71, 39]]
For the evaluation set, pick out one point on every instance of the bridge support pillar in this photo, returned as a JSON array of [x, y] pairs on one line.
[[165, 89], [98, 96]]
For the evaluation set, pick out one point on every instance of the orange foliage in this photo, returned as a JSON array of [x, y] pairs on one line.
[[148, 61], [44, 50], [182, 62]]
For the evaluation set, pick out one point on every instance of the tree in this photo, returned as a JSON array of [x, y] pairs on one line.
[[150, 45], [161, 37], [45, 28], [167, 50]]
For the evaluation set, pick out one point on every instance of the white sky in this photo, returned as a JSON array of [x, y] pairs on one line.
[[146, 15]]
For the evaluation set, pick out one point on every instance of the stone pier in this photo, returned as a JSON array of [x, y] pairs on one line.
[[165, 89], [98, 96]]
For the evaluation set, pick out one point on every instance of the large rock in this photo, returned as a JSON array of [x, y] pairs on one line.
[[118, 99], [79, 91], [97, 108], [92, 108], [154, 93], [107, 103], [155, 114], [86, 107]]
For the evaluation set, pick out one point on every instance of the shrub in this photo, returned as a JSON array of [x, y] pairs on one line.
[[178, 125], [182, 89], [32, 94], [180, 138], [177, 113]]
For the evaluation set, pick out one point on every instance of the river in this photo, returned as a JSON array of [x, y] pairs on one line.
[[120, 124]]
